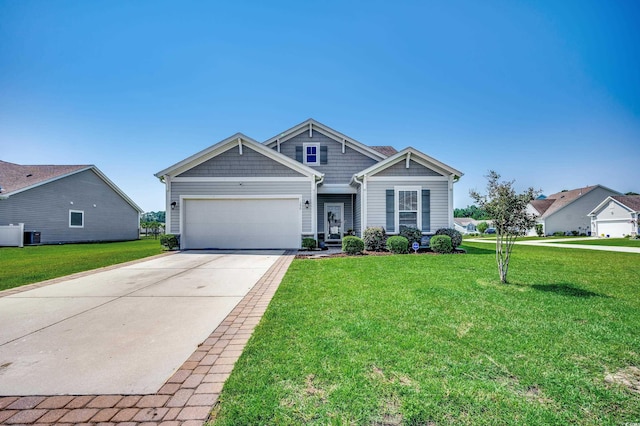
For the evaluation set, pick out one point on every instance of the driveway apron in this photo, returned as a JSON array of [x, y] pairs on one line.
[[122, 331]]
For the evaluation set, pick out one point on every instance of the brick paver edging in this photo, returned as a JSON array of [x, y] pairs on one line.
[[185, 399]]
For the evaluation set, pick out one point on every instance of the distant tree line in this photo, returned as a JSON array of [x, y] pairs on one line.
[[152, 222], [473, 212], [158, 216]]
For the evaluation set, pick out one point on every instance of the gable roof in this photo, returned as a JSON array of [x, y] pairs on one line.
[[630, 202], [541, 204], [17, 178], [236, 140], [414, 155], [386, 150], [311, 125], [560, 200]]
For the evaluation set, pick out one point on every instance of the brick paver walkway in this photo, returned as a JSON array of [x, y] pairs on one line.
[[185, 399]]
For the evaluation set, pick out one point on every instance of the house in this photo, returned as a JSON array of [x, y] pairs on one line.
[[66, 204], [616, 216], [568, 211], [467, 225], [308, 181]]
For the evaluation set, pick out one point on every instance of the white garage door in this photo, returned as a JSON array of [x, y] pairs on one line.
[[248, 223], [614, 228]]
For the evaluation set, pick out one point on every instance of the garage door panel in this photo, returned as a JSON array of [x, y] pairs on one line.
[[242, 223], [614, 228]]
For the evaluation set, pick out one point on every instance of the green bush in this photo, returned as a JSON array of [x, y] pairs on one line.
[[309, 243], [398, 244], [375, 238], [456, 237], [482, 226], [352, 245], [558, 234], [441, 244], [411, 234], [539, 230], [170, 241]]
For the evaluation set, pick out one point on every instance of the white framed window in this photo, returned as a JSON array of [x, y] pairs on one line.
[[408, 207], [76, 219], [311, 153]]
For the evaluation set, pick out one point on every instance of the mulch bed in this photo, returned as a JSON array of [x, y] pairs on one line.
[[318, 254]]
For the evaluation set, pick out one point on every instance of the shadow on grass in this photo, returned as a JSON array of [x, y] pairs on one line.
[[565, 289]]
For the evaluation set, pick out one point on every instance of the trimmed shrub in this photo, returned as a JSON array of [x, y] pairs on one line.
[[309, 243], [170, 241], [441, 244], [352, 245], [560, 234], [539, 230], [398, 244], [456, 237], [411, 234], [375, 238]]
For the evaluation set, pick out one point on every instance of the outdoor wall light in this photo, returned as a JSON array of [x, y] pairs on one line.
[[306, 204], [173, 205]]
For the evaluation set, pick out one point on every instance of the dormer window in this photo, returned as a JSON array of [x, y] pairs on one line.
[[311, 153]]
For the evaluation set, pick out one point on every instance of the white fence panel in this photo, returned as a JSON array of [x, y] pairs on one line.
[[12, 235]]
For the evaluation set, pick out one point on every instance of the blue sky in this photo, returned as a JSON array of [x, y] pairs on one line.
[[544, 92]]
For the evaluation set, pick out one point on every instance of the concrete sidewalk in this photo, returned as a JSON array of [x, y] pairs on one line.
[[559, 243], [185, 396]]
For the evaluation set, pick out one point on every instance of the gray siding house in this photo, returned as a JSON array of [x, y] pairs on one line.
[[66, 204], [569, 211], [308, 181]]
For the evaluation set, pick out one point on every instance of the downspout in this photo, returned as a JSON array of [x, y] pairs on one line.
[[314, 209], [362, 215], [168, 228]]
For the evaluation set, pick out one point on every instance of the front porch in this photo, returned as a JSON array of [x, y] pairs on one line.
[[336, 217]]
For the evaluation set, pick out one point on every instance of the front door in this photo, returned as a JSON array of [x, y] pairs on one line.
[[334, 219]]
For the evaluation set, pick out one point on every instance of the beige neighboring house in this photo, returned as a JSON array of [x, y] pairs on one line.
[[616, 217], [569, 211]]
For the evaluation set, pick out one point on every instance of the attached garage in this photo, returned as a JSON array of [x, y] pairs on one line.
[[249, 222], [614, 228]]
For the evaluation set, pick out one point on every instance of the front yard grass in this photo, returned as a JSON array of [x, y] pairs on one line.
[[21, 266], [615, 242], [424, 339]]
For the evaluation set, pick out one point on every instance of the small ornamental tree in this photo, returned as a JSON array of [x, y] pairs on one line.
[[482, 226], [508, 210]]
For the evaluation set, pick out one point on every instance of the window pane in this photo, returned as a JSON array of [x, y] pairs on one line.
[[408, 219], [311, 158], [408, 200], [76, 219]]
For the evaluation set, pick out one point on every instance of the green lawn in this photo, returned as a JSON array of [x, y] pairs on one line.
[[20, 266], [436, 340], [616, 242]]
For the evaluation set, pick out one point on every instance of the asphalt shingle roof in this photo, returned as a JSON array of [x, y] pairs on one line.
[[14, 177], [631, 201]]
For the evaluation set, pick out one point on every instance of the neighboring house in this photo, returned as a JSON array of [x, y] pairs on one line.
[[308, 181], [467, 225], [616, 216], [568, 211], [66, 203]]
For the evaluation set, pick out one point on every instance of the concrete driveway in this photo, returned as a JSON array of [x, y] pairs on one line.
[[121, 331]]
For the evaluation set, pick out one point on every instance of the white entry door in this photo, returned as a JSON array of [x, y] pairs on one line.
[[334, 220]]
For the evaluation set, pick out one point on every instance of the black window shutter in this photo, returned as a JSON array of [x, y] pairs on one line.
[[323, 154], [299, 153], [391, 217], [426, 210]]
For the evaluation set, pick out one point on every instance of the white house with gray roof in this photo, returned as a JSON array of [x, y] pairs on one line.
[[307, 181], [568, 211], [616, 216], [66, 203]]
